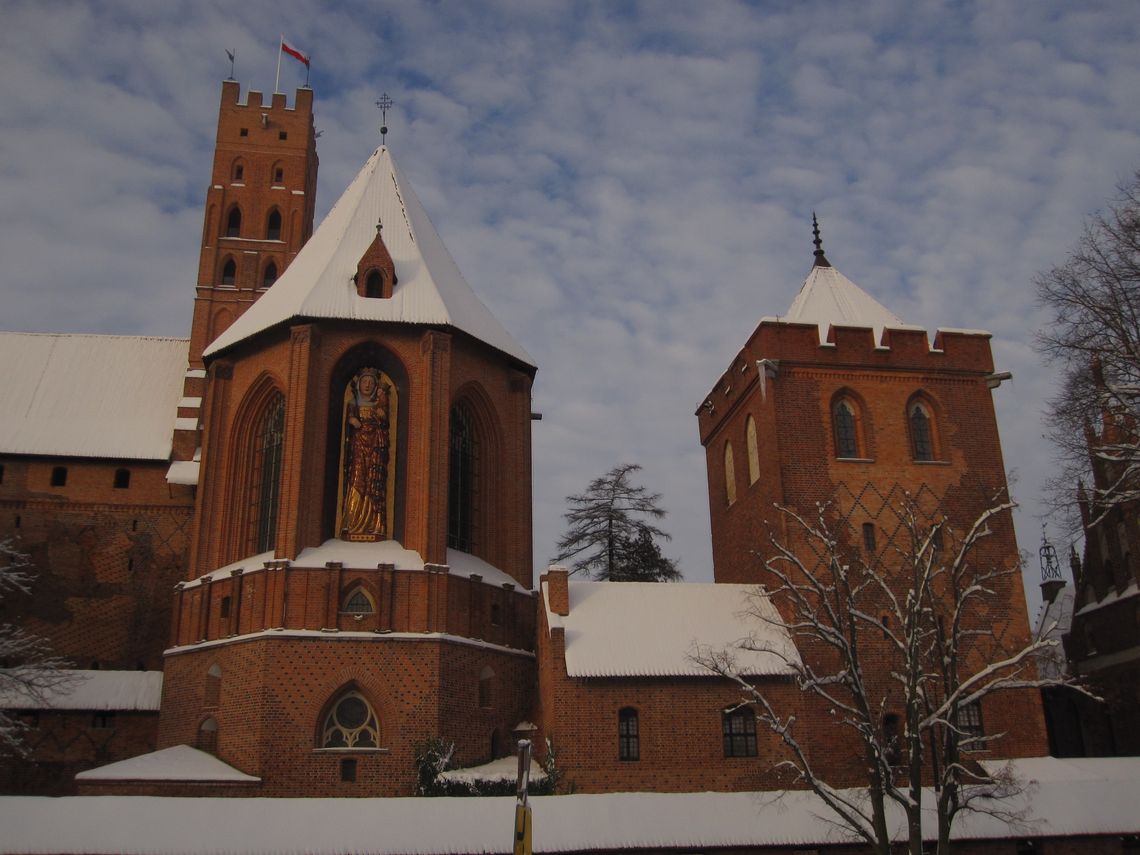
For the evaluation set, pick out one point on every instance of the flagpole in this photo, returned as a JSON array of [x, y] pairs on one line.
[[277, 82]]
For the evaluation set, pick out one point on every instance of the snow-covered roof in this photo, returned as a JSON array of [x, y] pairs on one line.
[[1130, 591], [90, 395], [178, 763], [1065, 798], [652, 629], [369, 555], [828, 298], [91, 690], [429, 289], [502, 769]]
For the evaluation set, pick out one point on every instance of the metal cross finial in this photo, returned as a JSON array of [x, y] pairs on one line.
[[385, 104], [820, 258]]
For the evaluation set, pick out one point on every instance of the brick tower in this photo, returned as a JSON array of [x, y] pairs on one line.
[[838, 404], [359, 577]]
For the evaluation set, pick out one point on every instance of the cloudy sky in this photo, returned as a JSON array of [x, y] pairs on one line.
[[629, 186]]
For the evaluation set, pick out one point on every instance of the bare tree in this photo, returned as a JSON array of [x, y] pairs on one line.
[[28, 670], [916, 605], [609, 533], [1093, 338]]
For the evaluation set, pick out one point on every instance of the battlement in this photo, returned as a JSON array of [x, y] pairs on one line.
[[906, 348], [255, 100]]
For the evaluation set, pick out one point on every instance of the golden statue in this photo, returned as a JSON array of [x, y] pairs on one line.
[[364, 512]]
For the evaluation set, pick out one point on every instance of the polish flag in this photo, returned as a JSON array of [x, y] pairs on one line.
[[293, 52]]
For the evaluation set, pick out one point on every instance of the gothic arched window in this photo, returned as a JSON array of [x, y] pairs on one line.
[[374, 284], [273, 226], [358, 603], [844, 416], [233, 222], [270, 275], [462, 463], [921, 425], [350, 723], [229, 272], [268, 445], [753, 451]]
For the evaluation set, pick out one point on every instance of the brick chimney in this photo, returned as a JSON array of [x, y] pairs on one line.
[[558, 589]]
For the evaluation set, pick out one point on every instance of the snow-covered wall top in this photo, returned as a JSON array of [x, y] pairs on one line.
[[90, 395], [91, 690]]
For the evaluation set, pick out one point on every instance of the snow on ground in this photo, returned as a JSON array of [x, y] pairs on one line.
[[1062, 797]]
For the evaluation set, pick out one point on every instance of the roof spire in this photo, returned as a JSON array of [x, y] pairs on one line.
[[820, 258], [385, 104]]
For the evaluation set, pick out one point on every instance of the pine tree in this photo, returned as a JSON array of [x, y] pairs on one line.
[[609, 535]]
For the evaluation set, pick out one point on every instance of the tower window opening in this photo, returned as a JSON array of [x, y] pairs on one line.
[[273, 229], [869, 538], [229, 272], [463, 457], [920, 433], [846, 435], [278, 175], [224, 608], [270, 275], [268, 446], [244, 132], [122, 479], [239, 172], [233, 223], [59, 476], [282, 135]]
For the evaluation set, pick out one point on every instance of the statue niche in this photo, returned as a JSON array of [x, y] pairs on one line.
[[367, 470]]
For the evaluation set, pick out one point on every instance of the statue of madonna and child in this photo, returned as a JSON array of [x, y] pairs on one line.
[[364, 513]]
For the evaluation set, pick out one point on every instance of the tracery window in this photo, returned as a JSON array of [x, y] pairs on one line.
[[358, 603], [846, 431], [350, 723], [463, 457], [739, 728], [729, 475], [629, 735], [753, 451], [268, 446]]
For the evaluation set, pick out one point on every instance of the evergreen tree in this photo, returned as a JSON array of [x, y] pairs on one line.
[[609, 534]]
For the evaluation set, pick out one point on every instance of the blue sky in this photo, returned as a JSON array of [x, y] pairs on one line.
[[629, 186]]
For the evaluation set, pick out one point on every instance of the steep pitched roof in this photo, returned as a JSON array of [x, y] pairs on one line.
[[652, 629], [90, 690], [429, 290], [90, 395], [828, 298]]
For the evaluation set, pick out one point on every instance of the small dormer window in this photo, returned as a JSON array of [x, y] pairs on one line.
[[374, 284]]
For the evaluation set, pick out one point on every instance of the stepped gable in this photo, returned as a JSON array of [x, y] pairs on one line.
[[429, 289]]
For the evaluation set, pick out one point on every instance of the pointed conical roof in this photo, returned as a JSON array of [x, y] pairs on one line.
[[828, 298], [319, 284]]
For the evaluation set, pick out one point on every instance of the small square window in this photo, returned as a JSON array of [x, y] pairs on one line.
[[103, 720], [59, 476], [282, 135], [122, 479], [244, 132], [348, 769]]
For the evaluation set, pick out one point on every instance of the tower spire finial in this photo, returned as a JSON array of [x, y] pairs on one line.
[[385, 104], [820, 258]]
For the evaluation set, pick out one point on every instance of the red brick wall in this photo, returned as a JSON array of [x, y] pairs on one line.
[[105, 559], [275, 692], [63, 743]]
